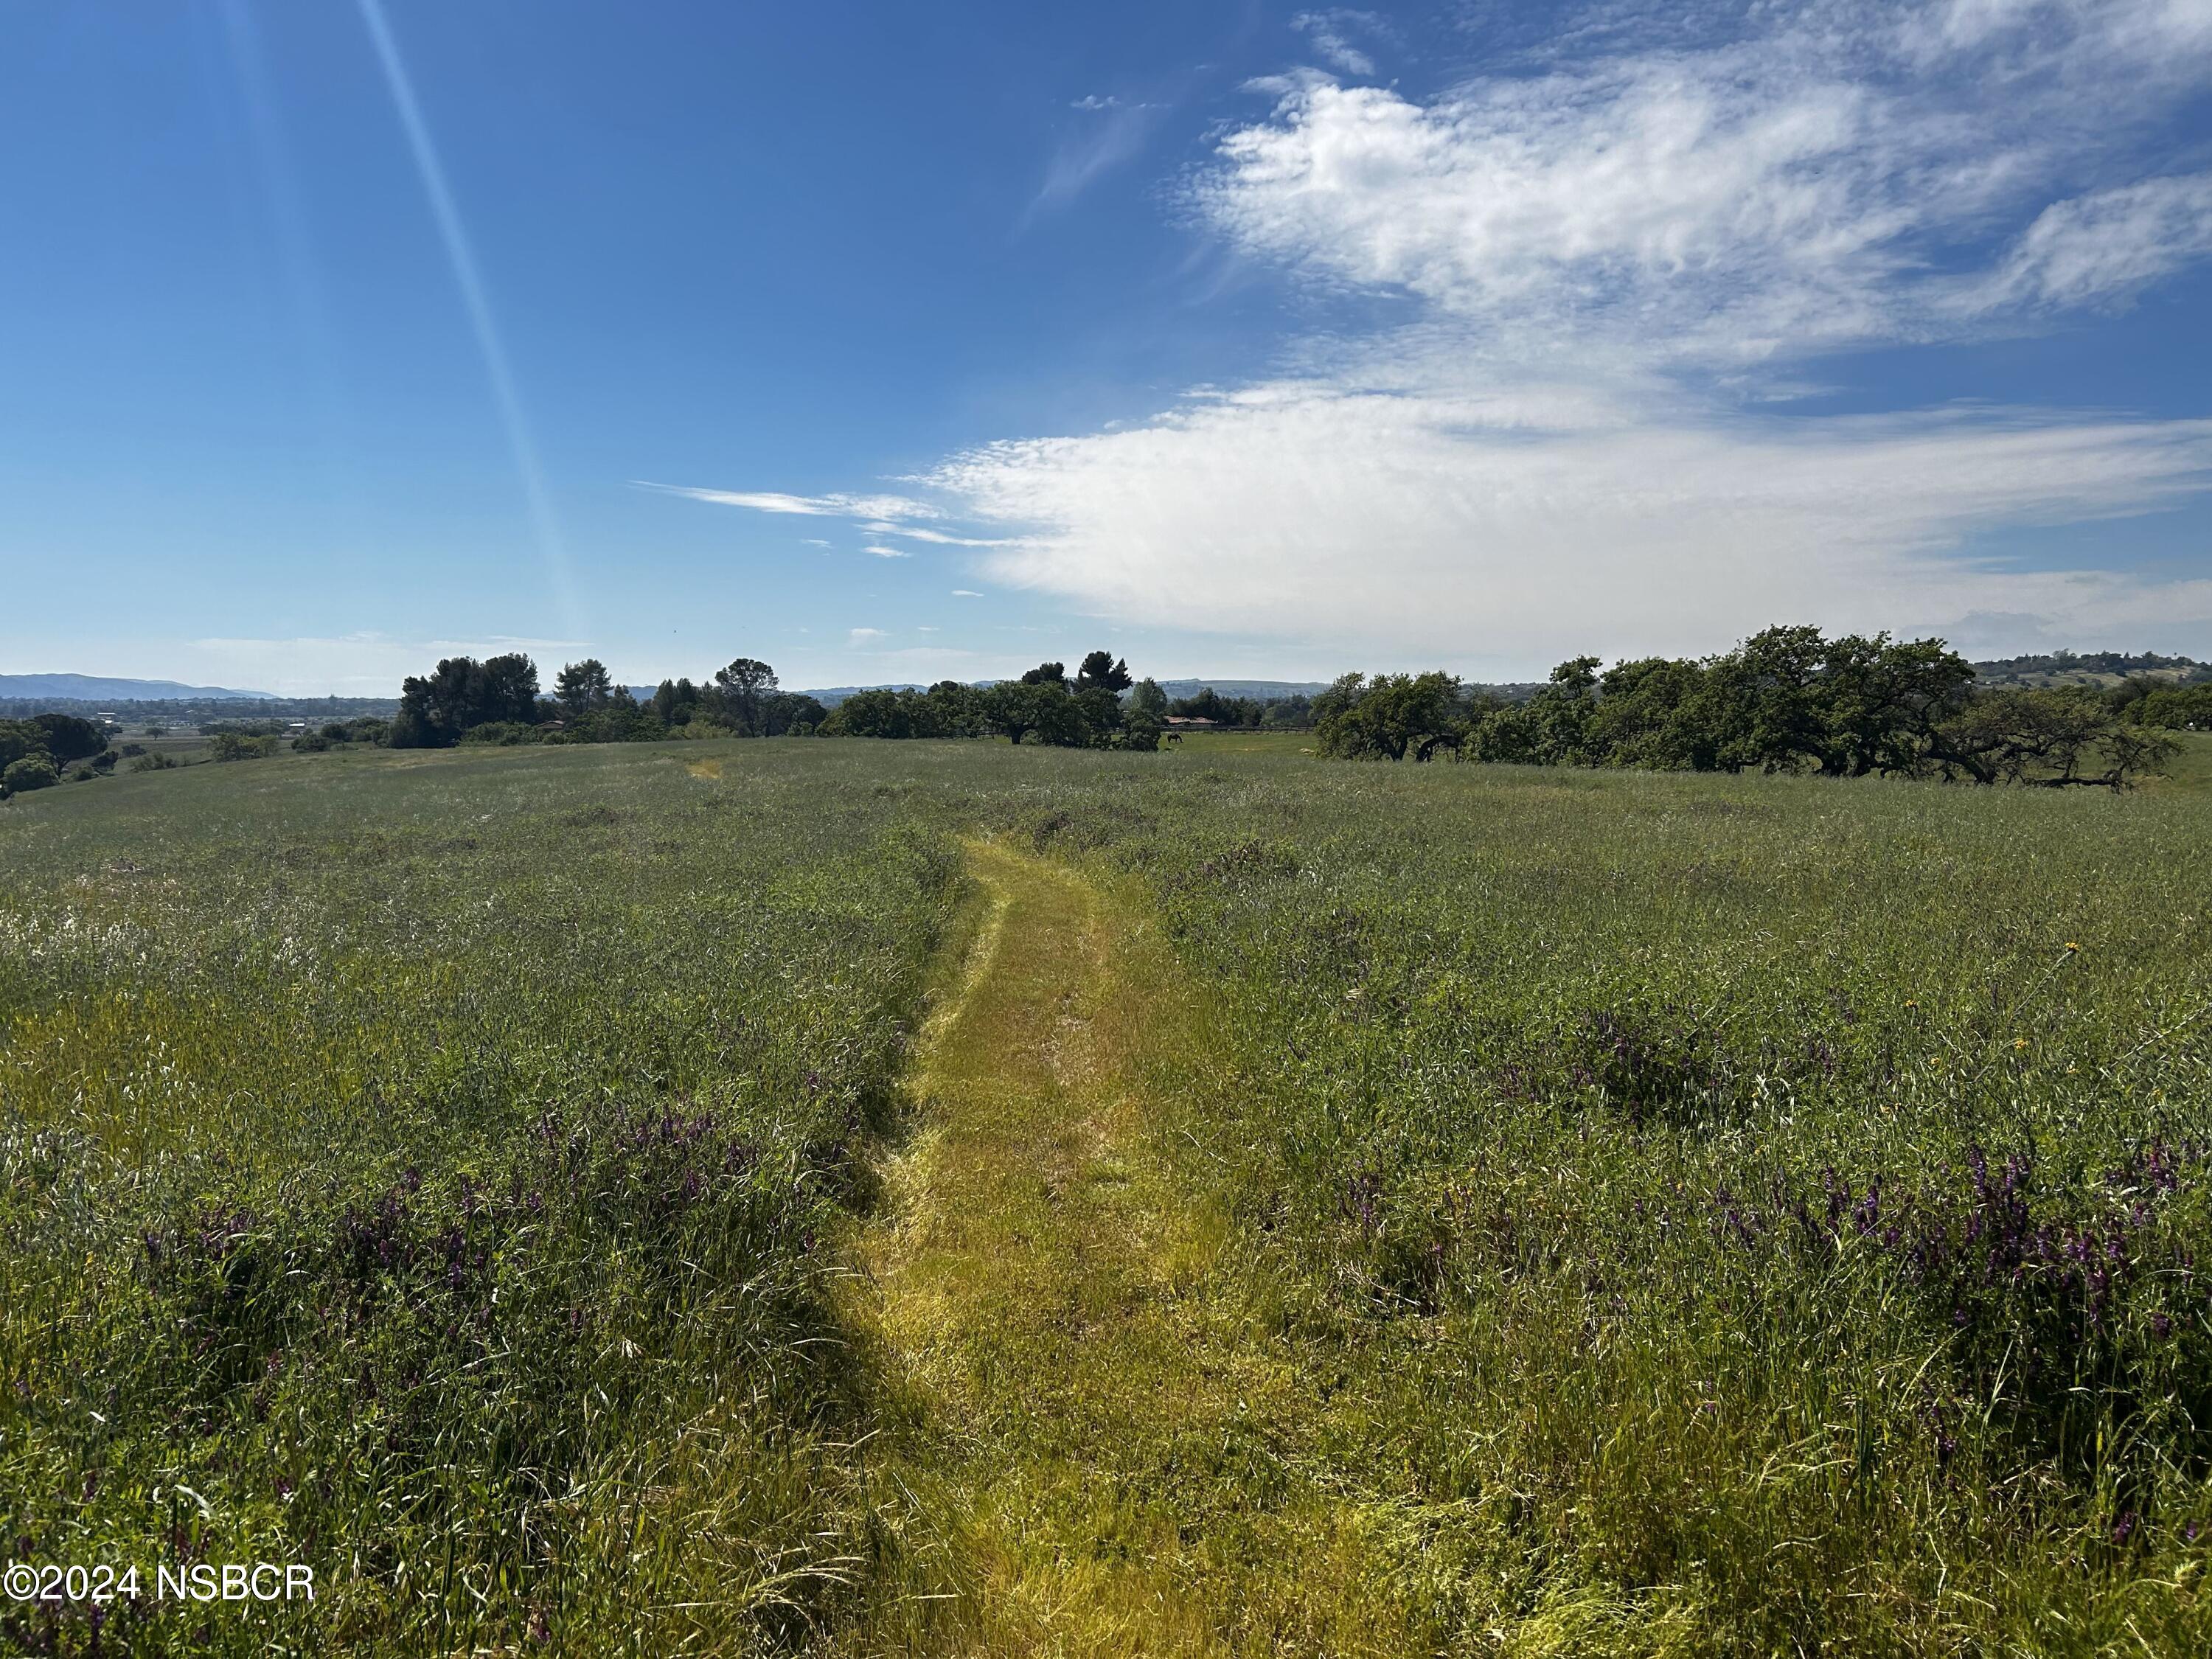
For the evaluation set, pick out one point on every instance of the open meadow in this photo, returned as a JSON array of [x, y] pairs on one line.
[[837, 1196]]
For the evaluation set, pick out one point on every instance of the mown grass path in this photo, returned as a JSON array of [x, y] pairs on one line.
[[1097, 1452]]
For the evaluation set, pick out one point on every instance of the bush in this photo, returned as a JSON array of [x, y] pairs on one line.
[[236, 746], [144, 761], [242, 728], [504, 733], [2175, 709], [34, 771]]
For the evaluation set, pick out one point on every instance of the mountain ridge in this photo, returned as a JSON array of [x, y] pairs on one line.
[[96, 688]]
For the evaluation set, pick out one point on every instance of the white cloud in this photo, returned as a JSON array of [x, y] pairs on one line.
[[865, 635], [1114, 139], [936, 537], [2106, 245], [965, 594], [876, 515], [1790, 189], [1427, 526], [834, 505], [2024, 36], [1328, 31], [1093, 101], [1613, 258]]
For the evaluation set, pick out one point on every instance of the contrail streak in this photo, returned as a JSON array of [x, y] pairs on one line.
[[470, 280]]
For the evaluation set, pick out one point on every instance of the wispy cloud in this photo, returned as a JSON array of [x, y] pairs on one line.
[[1331, 34], [1799, 186], [915, 532], [1610, 261], [2103, 247], [834, 505], [865, 635], [874, 515], [1427, 525], [965, 594], [1115, 138], [1606, 254]]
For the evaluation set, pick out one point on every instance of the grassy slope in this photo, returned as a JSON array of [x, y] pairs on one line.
[[1204, 746], [2191, 770]]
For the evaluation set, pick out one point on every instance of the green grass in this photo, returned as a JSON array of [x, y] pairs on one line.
[[1529, 1074], [2191, 770], [418, 1167], [1091, 1445], [1662, 1213], [1238, 741]]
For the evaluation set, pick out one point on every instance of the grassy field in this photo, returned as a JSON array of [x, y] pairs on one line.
[[1207, 744], [1390, 1210], [2191, 770], [1741, 1215], [418, 1168]]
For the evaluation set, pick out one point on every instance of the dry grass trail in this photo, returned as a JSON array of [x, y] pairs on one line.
[[1098, 1449]]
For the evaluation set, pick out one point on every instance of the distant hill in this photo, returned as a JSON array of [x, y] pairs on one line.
[[830, 696], [94, 687], [2088, 668], [1261, 690], [1258, 690]]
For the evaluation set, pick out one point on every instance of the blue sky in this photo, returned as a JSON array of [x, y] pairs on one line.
[[1249, 339]]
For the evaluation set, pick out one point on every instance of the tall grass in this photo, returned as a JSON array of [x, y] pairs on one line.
[[1723, 1216], [1749, 1215], [422, 1173]]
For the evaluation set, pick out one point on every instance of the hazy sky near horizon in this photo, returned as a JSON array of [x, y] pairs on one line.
[[889, 342]]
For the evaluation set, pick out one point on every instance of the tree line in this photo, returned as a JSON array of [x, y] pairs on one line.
[[1292, 713], [497, 701], [2147, 700], [1785, 700], [1046, 705]]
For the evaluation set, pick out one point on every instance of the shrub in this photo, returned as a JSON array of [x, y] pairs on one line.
[[504, 733], [34, 771], [236, 746]]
